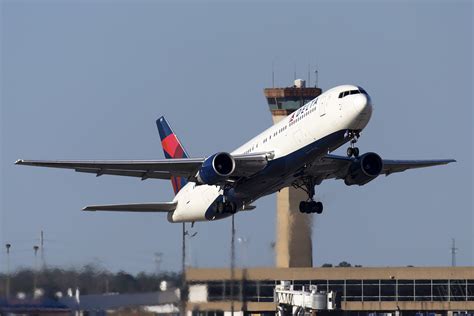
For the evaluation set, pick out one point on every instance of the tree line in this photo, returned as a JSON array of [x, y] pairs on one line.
[[89, 280]]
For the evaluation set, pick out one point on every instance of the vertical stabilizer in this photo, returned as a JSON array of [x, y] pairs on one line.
[[172, 148]]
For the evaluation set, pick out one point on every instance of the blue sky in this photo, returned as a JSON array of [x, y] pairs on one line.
[[87, 79]]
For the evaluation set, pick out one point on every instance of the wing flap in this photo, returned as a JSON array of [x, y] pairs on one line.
[[139, 207], [127, 173]]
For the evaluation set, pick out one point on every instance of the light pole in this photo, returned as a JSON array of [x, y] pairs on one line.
[[35, 248], [7, 285], [232, 266]]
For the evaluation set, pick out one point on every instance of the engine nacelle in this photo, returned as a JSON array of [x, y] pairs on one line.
[[364, 169], [216, 168]]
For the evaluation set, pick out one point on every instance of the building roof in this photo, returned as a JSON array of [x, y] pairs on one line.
[[334, 273], [115, 301]]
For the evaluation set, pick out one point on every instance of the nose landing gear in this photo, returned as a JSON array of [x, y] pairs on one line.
[[309, 206], [352, 150]]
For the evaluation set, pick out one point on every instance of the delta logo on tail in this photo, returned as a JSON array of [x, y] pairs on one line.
[[173, 149]]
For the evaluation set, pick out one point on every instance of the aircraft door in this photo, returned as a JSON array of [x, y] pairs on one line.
[[322, 105], [298, 137]]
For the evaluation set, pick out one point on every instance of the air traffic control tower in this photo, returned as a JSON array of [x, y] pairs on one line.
[[293, 246]]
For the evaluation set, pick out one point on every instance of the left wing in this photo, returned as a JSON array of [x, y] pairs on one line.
[[143, 207], [144, 169], [337, 167], [245, 165]]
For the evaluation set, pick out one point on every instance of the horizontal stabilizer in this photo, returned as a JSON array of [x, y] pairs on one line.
[[142, 207]]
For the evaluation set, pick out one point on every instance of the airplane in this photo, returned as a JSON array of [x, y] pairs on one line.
[[296, 152]]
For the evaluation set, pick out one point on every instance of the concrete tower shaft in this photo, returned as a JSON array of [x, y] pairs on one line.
[[293, 229]]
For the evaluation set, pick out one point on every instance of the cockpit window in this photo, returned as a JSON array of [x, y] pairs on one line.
[[362, 91], [351, 92]]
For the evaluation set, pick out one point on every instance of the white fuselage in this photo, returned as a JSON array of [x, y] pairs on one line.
[[323, 116]]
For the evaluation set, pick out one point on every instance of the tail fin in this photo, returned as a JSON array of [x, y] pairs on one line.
[[172, 148]]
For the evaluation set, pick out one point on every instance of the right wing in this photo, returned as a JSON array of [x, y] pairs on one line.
[[337, 167], [245, 165], [145, 207]]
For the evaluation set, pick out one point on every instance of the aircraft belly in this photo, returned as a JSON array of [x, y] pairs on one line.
[[281, 171], [193, 206]]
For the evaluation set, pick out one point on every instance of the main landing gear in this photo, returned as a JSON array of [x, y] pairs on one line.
[[352, 150], [226, 207], [309, 206]]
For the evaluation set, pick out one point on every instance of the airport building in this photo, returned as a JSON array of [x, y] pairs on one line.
[[362, 291]]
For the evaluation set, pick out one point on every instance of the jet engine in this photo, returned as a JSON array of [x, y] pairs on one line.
[[364, 169], [216, 168]]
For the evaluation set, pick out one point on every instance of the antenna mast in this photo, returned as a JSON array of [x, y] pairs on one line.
[[43, 263], [273, 75]]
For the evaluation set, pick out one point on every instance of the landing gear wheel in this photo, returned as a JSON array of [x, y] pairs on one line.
[[318, 209], [355, 151], [311, 207], [226, 207], [350, 152], [303, 206]]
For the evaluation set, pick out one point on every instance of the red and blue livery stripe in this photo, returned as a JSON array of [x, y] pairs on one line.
[[172, 148]]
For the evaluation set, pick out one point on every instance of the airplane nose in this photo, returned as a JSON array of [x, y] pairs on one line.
[[362, 103]]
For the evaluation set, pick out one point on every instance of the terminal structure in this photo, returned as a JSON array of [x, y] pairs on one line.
[[293, 246], [407, 291]]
